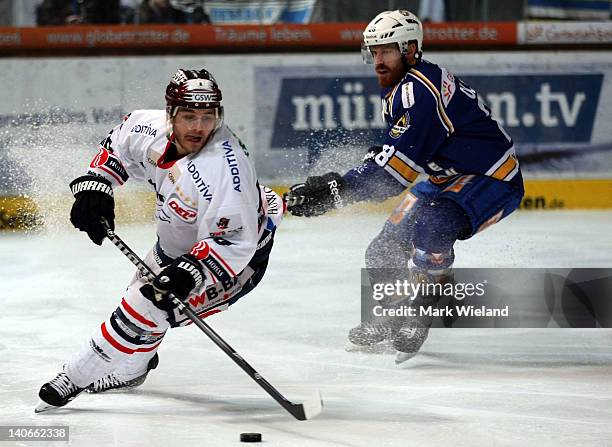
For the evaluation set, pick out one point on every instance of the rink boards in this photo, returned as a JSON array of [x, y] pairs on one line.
[[302, 114], [138, 206]]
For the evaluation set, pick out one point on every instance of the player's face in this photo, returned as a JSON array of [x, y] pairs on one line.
[[388, 64], [192, 128]]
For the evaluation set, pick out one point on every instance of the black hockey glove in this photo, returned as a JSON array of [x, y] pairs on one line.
[[316, 196], [94, 200], [179, 278]]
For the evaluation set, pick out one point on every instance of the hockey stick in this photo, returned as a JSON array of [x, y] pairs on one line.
[[304, 411]]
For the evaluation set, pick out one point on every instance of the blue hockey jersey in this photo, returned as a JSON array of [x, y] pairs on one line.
[[438, 126]]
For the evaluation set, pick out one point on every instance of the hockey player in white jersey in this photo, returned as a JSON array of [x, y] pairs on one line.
[[215, 229]]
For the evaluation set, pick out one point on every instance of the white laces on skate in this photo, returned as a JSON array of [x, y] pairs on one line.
[[63, 385], [107, 382]]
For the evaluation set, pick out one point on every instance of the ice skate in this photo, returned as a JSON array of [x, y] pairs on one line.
[[415, 330], [57, 393], [112, 383], [369, 335], [409, 339]]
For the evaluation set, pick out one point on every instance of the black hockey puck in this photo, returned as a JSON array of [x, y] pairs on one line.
[[250, 437]]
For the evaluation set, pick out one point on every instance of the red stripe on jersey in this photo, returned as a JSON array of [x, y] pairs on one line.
[[204, 315], [108, 171], [150, 348], [136, 315], [227, 267], [119, 347]]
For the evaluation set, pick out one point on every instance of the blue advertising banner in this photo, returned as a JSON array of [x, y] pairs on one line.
[[532, 108], [339, 109], [551, 116]]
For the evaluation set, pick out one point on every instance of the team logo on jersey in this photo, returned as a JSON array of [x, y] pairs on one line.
[[107, 162], [183, 211], [100, 159], [201, 250], [400, 126], [223, 223], [448, 86]]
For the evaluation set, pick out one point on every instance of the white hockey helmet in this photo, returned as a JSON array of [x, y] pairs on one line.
[[400, 27]]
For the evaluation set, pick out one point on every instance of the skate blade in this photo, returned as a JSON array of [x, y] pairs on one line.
[[378, 348], [401, 357], [43, 407]]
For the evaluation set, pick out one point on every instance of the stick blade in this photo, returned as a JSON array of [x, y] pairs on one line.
[[312, 406]]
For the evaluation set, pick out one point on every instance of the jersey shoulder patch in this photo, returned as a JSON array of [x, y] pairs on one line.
[[447, 86], [408, 94]]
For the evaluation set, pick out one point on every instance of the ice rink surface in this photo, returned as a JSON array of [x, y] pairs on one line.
[[466, 387]]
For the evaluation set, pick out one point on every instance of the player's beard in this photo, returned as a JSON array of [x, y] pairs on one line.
[[391, 76]]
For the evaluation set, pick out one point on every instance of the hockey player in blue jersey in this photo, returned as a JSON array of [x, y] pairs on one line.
[[437, 127]]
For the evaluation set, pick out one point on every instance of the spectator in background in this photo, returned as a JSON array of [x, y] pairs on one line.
[[194, 9], [57, 12], [99, 11], [172, 11], [432, 10], [127, 11], [61, 12], [159, 11], [6, 12]]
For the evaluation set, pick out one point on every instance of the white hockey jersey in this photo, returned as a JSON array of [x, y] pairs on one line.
[[208, 203]]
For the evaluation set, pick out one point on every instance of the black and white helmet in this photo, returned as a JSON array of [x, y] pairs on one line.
[[400, 27]]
